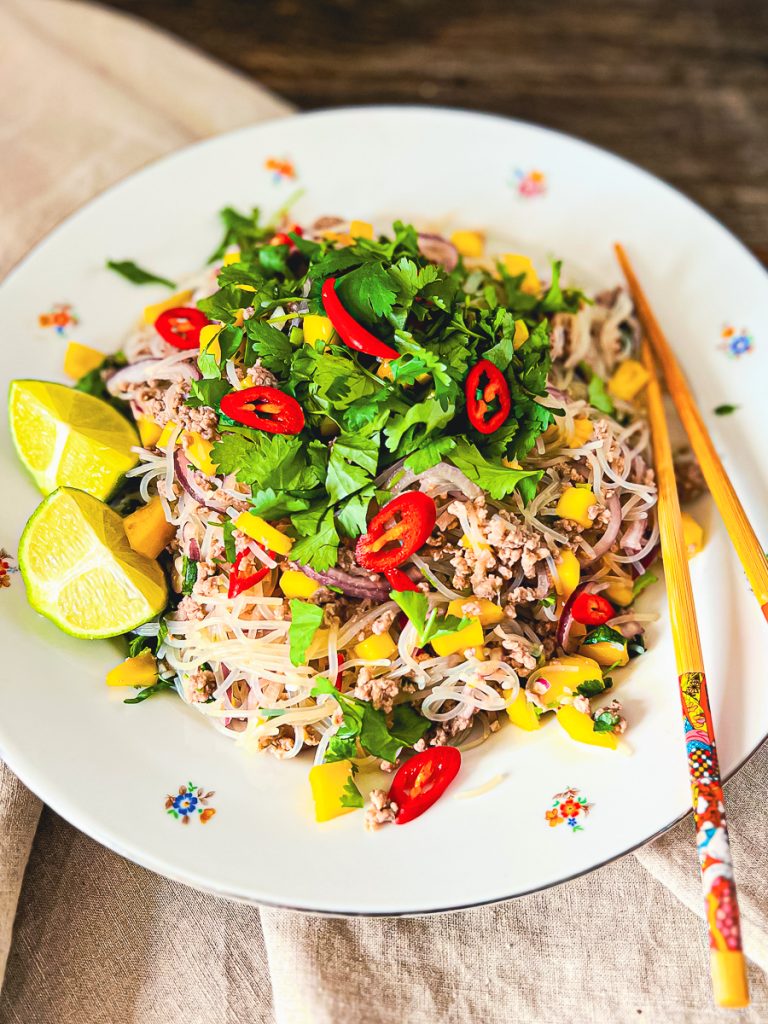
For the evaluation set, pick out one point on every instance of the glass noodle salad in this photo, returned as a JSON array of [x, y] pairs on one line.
[[400, 490]]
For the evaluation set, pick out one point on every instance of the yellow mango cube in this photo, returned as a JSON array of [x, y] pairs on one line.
[[317, 328], [376, 647], [515, 265], [198, 452], [453, 643], [294, 583], [209, 340], [469, 243], [628, 380], [149, 431], [147, 529], [151, 313], [607, 652], [581, 433], [574, 503], [361, 229], [522, 334], [522, 714], [384, 371], [693, 535], [166, 434], [259, 529], [231, 257], [564, 676], [619, 592], [81, 359], [465, 542], [490, 614], [328, 782], [568, 574], [138, 671], [580, 727]]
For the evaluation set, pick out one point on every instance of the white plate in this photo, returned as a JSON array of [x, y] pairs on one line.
[[107, 767]]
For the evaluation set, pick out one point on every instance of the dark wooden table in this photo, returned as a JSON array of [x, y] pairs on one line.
[[678, 86]]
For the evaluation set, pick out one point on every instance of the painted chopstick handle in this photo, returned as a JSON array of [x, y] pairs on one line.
[[721, 908]]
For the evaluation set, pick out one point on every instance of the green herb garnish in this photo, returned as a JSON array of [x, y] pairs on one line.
[[136, 274]]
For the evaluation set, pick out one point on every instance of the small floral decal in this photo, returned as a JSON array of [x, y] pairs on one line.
[[191, 801], [569, 808], [735, 343], [59, 317], [282, 169], [7, 568], [529, 183]]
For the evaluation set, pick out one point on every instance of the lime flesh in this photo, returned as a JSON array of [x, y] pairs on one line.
[[81, 572]]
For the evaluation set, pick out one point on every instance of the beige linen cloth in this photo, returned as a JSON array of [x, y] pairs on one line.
[[87, 97]]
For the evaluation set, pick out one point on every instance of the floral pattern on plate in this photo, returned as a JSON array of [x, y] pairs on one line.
[[60, 316], [529, 183], [735, 343], [282, 169], [568, 808], [191, 801], [7, 568]]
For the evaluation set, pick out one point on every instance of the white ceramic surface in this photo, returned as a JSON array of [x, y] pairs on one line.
[[107, 767]]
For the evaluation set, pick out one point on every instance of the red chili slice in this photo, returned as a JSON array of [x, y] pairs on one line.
[[481, 396], [384, 547], [340, 674], [399, 581], [264, 408], [353, 334], [238, 583], [181, 326], [592, 609], [422, 780], [280, 239]]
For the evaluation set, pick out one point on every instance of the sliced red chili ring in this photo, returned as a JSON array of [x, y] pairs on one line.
[[399, 581], [422, 780], [264, 408], [353, 334], [280, 239], [592, 609], [340, 673], [181, 326], [239, 583], [485, 395], [386, 546]]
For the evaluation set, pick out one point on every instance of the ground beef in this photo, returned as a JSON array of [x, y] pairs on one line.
[[444, 731], [379, 690], [162, 404], [384, 621], [189, 610], [518, 655], [259, 376], [380, 811], [282, 744], [202, 683], [603, 431]]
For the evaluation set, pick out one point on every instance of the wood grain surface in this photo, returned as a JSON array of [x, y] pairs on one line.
[[678, 86]]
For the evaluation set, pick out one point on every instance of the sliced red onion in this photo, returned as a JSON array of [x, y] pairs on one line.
[[151, 369], [353, 586], [613, 505], [629, 629], [438, 250], [566, 620], [439, 479], [216, 500], [643, 564], [633, 536]]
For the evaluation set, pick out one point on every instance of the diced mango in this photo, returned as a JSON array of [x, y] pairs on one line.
[[521, 713], [581, 433], [574, 504], [376, 647], [607, 652], [693, 535], [138, 671], [568, 574], [580, 727], [515, 265], [147, 529], [361, 229], [628, 380], [209, 340], [564, 676], [469, 243], [522, 333], [259, 529], [149, 431], [619, 593], [317, 328], [81, 359], [452, 643], [489, 614], [166, 434], [295, 584], [384, 371], [231, 257], [328, 782], [151, 313], [199, 452], [465, 542]]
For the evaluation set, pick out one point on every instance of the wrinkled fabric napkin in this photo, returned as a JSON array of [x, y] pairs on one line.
[[90, 95]]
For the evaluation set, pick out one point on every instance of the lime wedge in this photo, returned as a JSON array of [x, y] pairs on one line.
[[81, 572], [66, 438]]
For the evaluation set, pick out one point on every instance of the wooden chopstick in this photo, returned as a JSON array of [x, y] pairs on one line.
[[729, 979], [743, 537]]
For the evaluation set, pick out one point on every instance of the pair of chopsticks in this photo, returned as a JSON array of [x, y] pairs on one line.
[[729, 981]]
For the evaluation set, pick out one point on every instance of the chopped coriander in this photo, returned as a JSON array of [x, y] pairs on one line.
[[305, 622], [136, 274], [188, 575], [725, 410], [161, 686]]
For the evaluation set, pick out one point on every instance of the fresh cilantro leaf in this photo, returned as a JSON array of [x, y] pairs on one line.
[[270, 345], [428, 456], [271, 504], [352, 517], [428, 624], [497, 480], [642, 582], [136, 274], [319, 549], [605, 721], [598, 396], [279, 461], [207, 393], [725, 410], [409, 431], [341, 748], [408, 726], [603, 634], [93, 383], [230, 551], [360, 721], [188, 575], [367, 291], [240, 230], [351, 465], [161, 686], [590, 687], [351, 795], [305, 622]]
